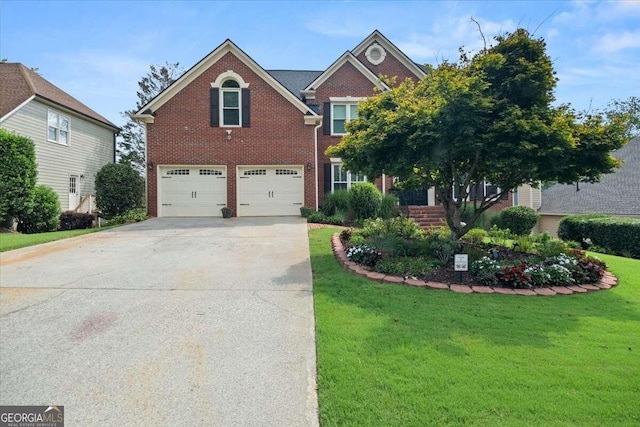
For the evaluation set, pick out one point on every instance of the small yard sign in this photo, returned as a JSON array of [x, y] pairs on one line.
[[461, 262]]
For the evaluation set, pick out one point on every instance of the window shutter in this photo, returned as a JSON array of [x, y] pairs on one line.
[[246, 108], [327, 178], [214, 108], [475, 192], [326, 124]]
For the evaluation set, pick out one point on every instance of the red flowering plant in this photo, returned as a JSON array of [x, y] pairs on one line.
[[589, 270], [514, 276]]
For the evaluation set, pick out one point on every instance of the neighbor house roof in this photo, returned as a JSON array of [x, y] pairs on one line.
[[19, 84], [615, 194]]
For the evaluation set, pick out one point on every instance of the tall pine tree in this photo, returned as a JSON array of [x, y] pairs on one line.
[[130, 147]]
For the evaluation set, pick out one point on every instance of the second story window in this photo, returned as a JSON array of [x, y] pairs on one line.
[[231, 108], [337, 112], [57, 128], [340, 115], [230, 101]]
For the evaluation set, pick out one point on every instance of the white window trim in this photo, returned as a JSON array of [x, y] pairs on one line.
[[349, 175], [221, 103], [380, 49], [485, 185], [223, 77], [60, 118], [347, 114]]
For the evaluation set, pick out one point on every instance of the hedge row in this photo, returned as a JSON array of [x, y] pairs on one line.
[[70, 220], [617, 235]]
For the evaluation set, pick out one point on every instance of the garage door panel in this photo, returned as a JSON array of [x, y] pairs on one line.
[[193, 191], [270, 191]]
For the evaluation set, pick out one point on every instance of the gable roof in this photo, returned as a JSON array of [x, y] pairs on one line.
[[377, 36], [19, 84], [613, 195], [147, 110], [294, 80], [346, 57]]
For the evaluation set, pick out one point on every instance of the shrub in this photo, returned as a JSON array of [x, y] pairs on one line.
[[365, 200], [119, 189], [444, 251], [305, 211], [70, 220], [336, 202], [559, 275], [476, 235], [404, 266], [577, 227], [615, 235], [484, 270], [519, 219], [345, 235], [357, 239], [390, 245], [321, 218], [500, 235], [552, 248], [42, 212], [514, 276], [364, 255], [136, 215], [398, 226], [524, 244], [389, 207], [589, 270], [18, 172], [539, 276]]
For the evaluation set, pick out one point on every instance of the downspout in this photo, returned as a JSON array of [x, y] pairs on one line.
[[315, 152], [115, 146], [384, 178], [146, 174]]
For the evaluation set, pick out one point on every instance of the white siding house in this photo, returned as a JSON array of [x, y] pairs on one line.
[[72, 142]]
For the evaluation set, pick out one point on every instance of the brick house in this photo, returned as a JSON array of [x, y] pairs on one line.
[[230, 133]]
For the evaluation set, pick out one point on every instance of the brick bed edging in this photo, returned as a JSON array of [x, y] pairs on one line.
[[608, 281]]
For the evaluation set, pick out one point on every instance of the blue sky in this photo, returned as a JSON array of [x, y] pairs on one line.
[[98, 50]]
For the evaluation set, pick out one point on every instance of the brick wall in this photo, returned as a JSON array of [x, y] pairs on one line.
[[348, 81], [181, 134], [389, 67]]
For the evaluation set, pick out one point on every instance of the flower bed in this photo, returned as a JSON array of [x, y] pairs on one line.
[[395, 252]]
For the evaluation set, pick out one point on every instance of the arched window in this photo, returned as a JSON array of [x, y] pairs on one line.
[[230, 101], [231, 109]]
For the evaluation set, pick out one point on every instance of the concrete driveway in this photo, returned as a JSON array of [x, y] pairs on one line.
[[168, 322]]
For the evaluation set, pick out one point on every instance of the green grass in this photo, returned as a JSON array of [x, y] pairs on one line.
[[9, 241], [390, 355]]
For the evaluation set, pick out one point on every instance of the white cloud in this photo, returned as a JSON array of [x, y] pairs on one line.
[[448, 34], [615, 42]]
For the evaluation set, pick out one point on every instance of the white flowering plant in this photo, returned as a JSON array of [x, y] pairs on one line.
[[364, 255]]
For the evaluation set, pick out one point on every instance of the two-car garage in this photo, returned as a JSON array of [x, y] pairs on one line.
[[202, 190]]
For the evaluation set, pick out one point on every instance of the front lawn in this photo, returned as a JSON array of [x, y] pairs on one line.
[[10, 241], [390, 355]]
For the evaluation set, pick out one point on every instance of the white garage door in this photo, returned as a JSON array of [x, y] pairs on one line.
[[192, 190], [270, 190]]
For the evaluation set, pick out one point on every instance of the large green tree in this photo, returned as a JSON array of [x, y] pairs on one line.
[[485, 118], [627, 109], [131, 140], [18, 173]]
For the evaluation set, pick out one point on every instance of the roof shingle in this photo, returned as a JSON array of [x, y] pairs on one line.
[[18, 83], [615, 194]]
